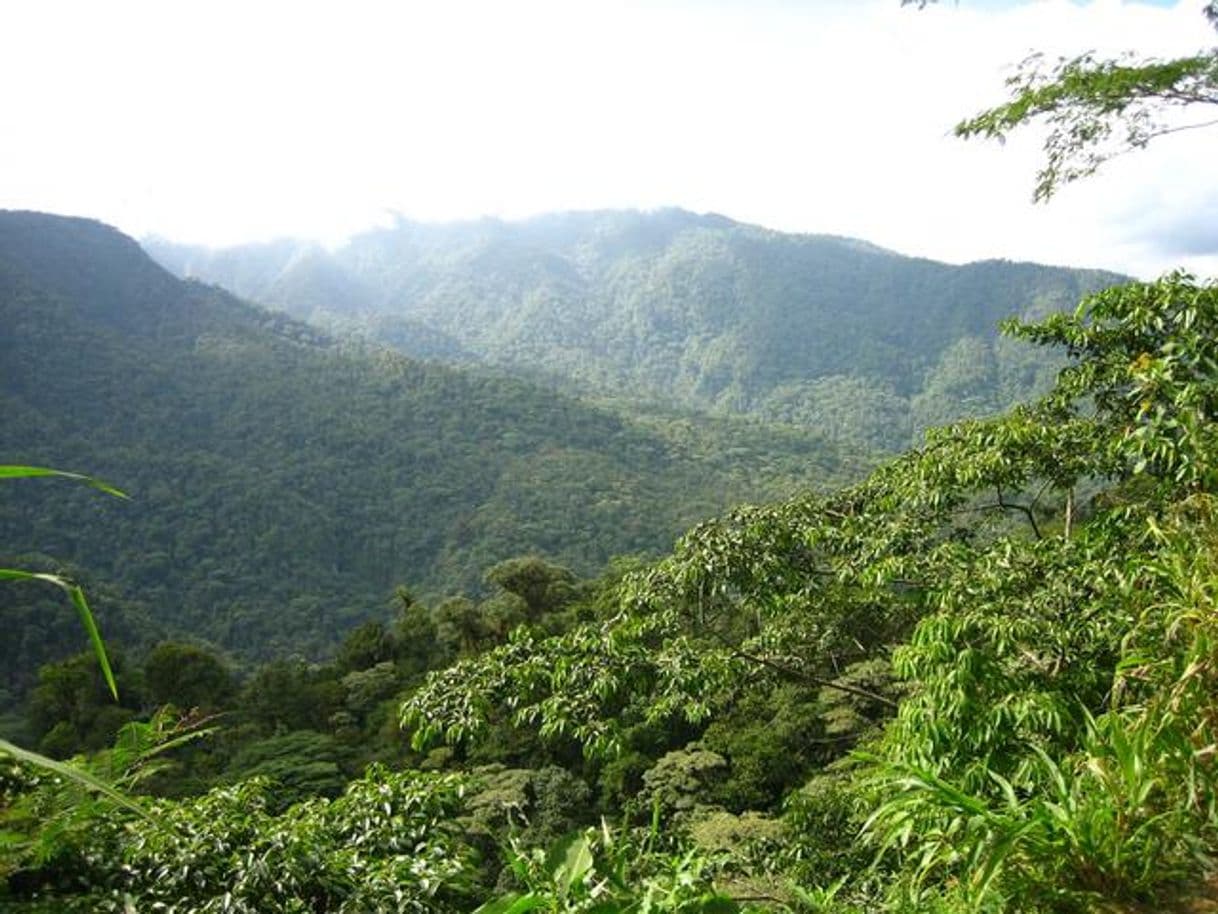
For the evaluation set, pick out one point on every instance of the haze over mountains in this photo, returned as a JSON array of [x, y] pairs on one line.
[[860, 343], [282, 482]]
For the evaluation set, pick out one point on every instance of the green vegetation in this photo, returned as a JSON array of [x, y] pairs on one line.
[[856, 342], [1043, 735], [77, 597], [73, 591], [282, 485], [978, 680], [1096, 109], [981, 679]]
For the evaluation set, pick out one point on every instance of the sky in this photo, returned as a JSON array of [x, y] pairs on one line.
[[228, 122]]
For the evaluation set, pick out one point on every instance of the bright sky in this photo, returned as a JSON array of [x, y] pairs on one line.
[[222, 122]]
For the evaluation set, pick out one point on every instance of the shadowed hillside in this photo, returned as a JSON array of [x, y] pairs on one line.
[[282, 483]]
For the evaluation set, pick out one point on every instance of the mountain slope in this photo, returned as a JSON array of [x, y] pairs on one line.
[[284, 483], [670, 306]]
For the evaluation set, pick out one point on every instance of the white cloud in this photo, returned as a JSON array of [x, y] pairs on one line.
[[232, 121]]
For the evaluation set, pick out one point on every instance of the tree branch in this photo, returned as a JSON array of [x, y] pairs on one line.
[[1023, 509], [813, 680]]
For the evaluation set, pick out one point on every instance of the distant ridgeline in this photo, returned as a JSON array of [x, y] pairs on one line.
[[862, 344], [284, 483]]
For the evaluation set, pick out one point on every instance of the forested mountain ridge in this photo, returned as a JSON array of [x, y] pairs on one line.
[[980, 678], [283, 483], [857, 341], [1014, 623]]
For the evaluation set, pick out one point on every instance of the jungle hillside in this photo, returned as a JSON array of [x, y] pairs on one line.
[[612, 557]]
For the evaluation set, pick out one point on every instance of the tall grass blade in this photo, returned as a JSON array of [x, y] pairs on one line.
[[20, 472], [73, 773], [77, 596]]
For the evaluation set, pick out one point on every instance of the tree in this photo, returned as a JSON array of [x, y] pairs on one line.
[[365, 647], [71, 708], [290, 695], [799, 591], [187, 677], [460, 626], [1097, 108], [416, 642], [300, 763], [542, 586]]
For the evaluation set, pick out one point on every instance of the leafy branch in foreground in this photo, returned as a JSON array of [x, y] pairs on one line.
[[610, 872], [1117, 805], [1058, 746], [73, 773], [1096, 109]]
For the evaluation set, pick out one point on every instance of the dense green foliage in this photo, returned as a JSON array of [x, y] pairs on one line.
[[1012, 626], [833, 334], [385, 845], [282, 484], [1052, 741], [982, 679]]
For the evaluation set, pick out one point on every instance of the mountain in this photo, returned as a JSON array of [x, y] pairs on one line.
[[283, 483], [833, 333]]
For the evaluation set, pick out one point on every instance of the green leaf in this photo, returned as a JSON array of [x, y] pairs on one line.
[[20, 472], [718, 904], [570, 861], [77, 596], [73, 773], [512, 904], [86, 619]]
